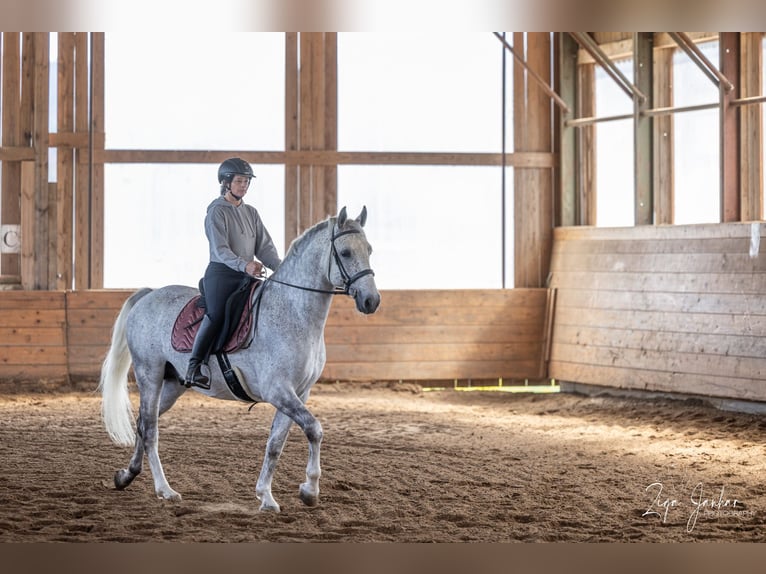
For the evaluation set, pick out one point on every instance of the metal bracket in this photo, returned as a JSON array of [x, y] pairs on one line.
[[10, 238], [696, 56], [590, 46]]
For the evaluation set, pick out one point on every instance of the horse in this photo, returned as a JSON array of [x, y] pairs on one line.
[[280, 366]]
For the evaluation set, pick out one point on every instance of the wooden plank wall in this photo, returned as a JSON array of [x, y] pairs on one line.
[[414, 336], [32, 335], [676, 309]]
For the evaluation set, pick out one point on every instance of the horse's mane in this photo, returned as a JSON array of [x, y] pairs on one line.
[[307, 235]]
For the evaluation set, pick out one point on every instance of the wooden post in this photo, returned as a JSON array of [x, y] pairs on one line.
[[642, 149], [10, 210], [730, 136], [587, 182], [533, 187], [96, 123], [40, 128], [663, 137], [317, 117], [568, 204], [751, 132], [330, 67], [291, 137], [82, 207], [65, 167]]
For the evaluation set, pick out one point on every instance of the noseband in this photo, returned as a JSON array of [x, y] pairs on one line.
[[348, 280]]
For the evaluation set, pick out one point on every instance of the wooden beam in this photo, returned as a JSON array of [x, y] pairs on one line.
[[330, 143], [82, 171], [663, 138], [328, 157], [643, 78], [587, 181], [751, 127], [65, 166], [11, 137], [28, 226], [96, 126], [306, 192], [40, 98], [567, 212], [533, 187], [291, 136], [730, 135]]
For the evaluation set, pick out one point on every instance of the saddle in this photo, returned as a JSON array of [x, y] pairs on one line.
[[236, 331]]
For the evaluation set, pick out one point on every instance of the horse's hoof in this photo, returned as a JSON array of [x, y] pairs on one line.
[[169, 494], [122, 478], [307, 497], [273, 507]]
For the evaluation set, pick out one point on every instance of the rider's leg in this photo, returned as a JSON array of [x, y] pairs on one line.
[[203, 343]]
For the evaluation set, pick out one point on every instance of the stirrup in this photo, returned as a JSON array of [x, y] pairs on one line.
[[197, 378]]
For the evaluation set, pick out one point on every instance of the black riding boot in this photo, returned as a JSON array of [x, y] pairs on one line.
[[200, 351]]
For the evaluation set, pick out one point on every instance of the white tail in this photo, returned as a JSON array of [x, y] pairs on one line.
[[116, 409]]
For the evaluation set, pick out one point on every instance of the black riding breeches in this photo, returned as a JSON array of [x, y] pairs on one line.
[[220, 281]]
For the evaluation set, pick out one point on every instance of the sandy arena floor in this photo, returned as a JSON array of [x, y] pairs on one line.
[[399, 465]]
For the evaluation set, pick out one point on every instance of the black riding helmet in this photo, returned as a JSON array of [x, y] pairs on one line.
[[234, 166]]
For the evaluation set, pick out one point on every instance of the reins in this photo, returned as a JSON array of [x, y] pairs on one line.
[[347, 279]]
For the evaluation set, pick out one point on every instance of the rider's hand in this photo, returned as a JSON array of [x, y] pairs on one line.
[[254, 268]]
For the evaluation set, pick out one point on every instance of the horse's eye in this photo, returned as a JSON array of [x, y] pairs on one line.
[[346, 253]]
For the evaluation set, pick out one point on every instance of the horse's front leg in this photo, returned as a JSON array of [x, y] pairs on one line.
[[280, 427], [296, 412]]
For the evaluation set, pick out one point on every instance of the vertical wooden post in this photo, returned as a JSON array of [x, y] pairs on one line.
[[65, 167], [10, 210], [567, 212], [330, 66], [533, 187], [643, 140], [82, 207], [663, 138], [730, 199], [751, 127], [40, 128], [96, 124], [291, 137], [315, 130], [587, 182]]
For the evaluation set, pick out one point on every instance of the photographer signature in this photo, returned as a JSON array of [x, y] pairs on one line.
[[661, 505]]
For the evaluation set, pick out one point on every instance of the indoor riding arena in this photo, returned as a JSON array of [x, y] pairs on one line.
[[570, 344]]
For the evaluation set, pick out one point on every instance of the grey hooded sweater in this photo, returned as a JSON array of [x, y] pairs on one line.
[[236, 234]]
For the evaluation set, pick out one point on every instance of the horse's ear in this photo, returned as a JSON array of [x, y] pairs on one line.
[[362, 219], [342, 216]]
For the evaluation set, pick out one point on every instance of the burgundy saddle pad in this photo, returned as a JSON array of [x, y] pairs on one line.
[[190, 318]]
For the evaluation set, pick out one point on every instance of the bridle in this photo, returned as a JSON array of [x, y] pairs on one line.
[[348, 280]]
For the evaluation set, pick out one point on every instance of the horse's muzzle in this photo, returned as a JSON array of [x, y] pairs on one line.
[[367, 303]]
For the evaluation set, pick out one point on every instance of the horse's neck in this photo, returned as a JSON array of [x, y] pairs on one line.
[[308, 267]]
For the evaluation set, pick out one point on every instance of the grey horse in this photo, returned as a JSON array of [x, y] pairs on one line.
[[281, 365]]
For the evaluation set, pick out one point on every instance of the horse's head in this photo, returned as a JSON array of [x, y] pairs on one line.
[[351, 258]]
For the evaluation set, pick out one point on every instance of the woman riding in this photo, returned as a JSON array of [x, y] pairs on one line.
[[240, 245]]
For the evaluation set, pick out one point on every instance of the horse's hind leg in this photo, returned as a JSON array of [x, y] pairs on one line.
[[123, 477]]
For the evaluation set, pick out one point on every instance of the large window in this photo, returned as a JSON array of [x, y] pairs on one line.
[[696, 152], [185, 92], [614, 163], [432, 226]]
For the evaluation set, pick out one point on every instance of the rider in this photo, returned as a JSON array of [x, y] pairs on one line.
[[236, 236]]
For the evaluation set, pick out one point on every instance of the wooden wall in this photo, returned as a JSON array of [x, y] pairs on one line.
[[414, 336], [676, 309]]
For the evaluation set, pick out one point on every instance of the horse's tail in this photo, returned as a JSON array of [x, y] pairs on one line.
[[116, 410]]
